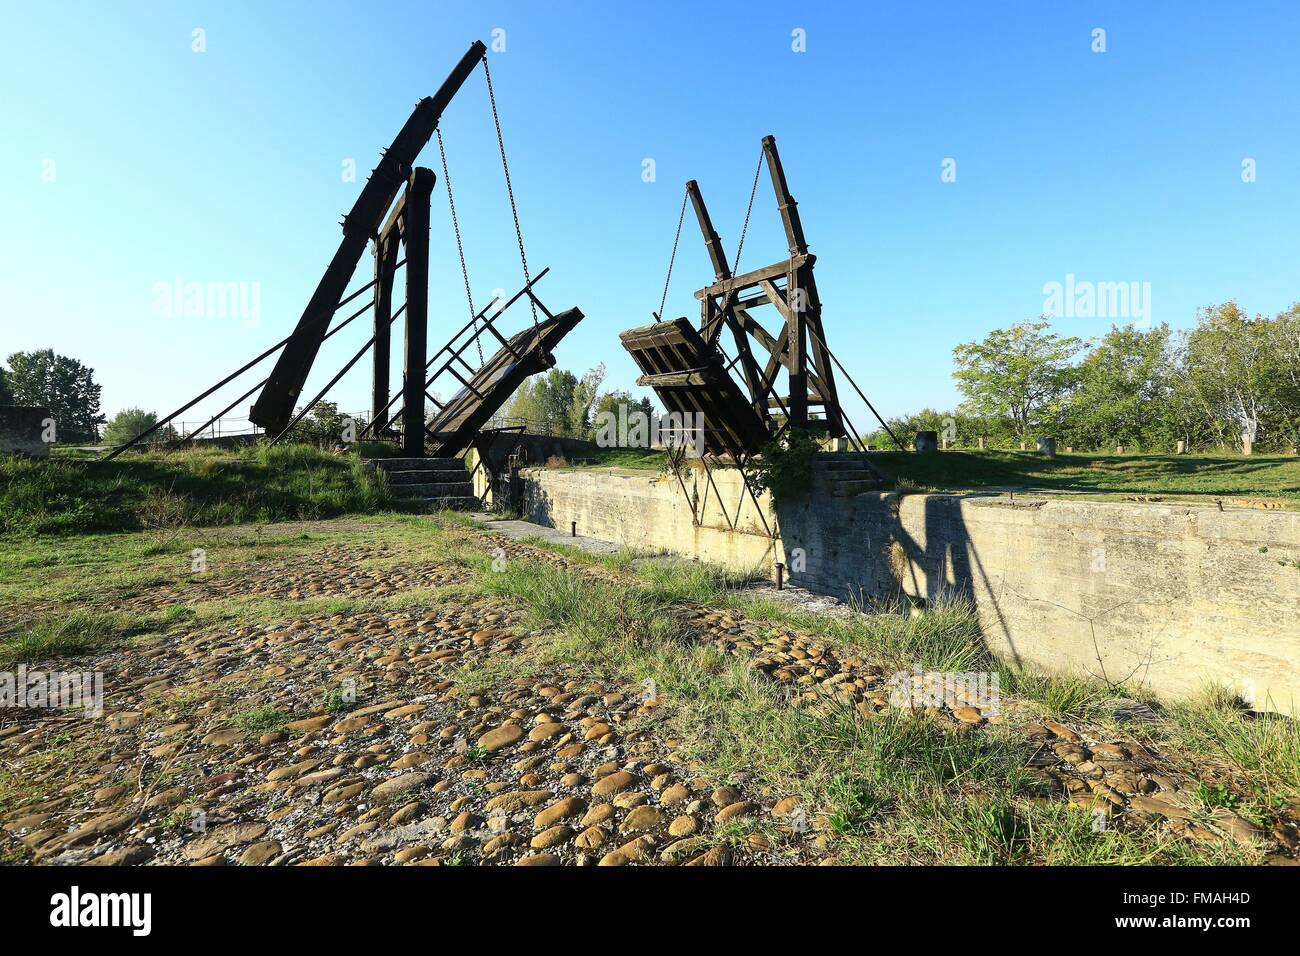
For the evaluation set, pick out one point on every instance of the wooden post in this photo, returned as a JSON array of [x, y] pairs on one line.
[[415, 235], [797, 322], [385, 268]]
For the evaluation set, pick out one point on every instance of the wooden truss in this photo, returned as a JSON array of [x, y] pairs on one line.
[[789, 286]]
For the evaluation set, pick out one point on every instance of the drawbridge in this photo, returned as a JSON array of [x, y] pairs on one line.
[[392, 216], [776, 381]]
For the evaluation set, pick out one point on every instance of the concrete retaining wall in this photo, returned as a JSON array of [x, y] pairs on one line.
[[1166, 596], [22, 430]]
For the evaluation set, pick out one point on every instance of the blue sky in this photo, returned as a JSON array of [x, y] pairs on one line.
[[129, 159]]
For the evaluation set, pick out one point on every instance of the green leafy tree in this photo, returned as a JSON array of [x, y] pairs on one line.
[[1286, 346], [527, 401], [6, 396], [61, 384], [1123, 392], [610, 404], [559, 387], [584, 397], [558, 401], [131, 423], [1232, 374], [324, 426], [611, 401], [1023, 373]]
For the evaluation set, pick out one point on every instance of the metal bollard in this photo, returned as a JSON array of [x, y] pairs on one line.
[[573, 529], [780, 575]]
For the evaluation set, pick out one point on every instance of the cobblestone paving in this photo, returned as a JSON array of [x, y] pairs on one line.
[[345, 739]]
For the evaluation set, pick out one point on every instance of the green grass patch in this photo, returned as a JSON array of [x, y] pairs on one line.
[[896, 788], [71, 634], [191, 488], [630, 459], [1275, 476], [261, 720], [1262, 747]]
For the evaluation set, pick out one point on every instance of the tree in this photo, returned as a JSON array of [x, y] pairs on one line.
[[61, 384], [1022, 373], [1286, 348], [553, 401], [6, 396], [613, 428], [1123, 392], [1232, 374], [527, 403], [611, 401], [558, 388], [325, 426], [131, 423], [584, 397]]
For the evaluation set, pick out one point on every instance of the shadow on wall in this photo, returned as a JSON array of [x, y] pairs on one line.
[[538, 506], [829, 540]]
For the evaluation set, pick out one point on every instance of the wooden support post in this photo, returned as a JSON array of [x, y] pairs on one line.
[[785, 203], [415, 233], [711, 241], [385, 268], [798, 344]]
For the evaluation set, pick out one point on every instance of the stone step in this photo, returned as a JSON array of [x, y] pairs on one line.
[[842, 464], [421, 475], [847, 488], [415, 464], [435, 489], [452, 502]]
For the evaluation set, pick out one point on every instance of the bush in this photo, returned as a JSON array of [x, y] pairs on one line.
[[786, 466]]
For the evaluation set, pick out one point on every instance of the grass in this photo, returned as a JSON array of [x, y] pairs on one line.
[[1214, 475], [895, 788], [189, 488], [630, 459], [261, 720], [71, 634], [1262, 748]]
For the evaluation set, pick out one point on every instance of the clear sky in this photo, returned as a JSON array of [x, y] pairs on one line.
[[130, 159]]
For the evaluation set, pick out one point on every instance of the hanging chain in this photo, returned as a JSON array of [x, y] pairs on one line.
[[514, 210], [460, 248], [663, 300], [735, 266], [753, 190]]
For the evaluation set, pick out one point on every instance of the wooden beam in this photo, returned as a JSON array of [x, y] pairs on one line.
[[784, 201], [695, 376], [746, 279], [385, 268], [416, 236], [711, 239]]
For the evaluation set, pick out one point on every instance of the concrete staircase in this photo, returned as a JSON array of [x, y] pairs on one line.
[[848, 473], [438, 482]]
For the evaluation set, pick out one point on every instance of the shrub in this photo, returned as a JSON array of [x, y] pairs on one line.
[[786, 467]]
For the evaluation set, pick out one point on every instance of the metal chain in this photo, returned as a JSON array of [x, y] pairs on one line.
[[460, 248], [753, 190], [735, 266], [514, 210], [663, 300]]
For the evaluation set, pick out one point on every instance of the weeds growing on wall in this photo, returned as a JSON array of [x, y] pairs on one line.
[[786, 466]]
